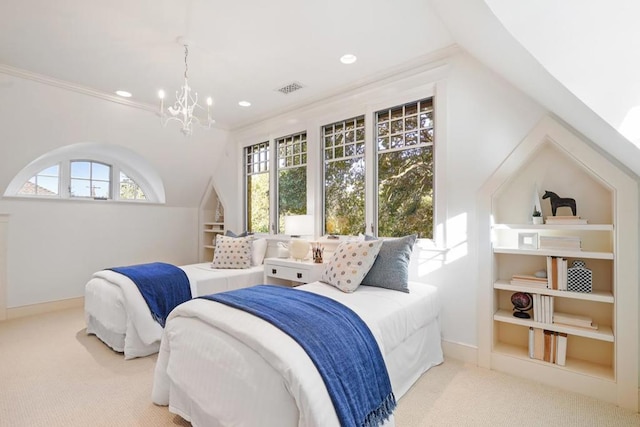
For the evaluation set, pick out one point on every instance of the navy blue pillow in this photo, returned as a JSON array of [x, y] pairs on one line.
[[391, 268]]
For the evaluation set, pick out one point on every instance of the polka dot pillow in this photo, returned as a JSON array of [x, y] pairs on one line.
[[232, 252], [350, 263]]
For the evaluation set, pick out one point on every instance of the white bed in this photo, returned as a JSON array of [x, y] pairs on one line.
[[118, 315], [219, 366]]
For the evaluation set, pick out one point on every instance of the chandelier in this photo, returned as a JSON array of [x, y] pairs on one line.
[[186, 102]]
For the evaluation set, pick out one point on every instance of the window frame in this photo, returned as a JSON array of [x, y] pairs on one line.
[[119, 158], [312, 122]]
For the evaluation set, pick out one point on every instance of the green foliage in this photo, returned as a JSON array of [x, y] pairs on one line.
[[258, 202], [405, 193], [344, 197], [292, 193]]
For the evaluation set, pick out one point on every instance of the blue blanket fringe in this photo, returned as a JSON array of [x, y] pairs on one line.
[[163, 286], [338, 342]]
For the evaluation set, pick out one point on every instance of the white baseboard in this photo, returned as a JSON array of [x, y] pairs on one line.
[[45, 307], [462, 352]]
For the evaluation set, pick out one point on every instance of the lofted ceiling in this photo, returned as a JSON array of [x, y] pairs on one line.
[[238, 51], [575, 57]]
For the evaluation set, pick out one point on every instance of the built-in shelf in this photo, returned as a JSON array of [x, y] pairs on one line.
[[603, 333], [598, 296], [554, 252]]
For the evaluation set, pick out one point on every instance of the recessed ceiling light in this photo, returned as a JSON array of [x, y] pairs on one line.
[[244, 104], [348, 59], [123, 93]]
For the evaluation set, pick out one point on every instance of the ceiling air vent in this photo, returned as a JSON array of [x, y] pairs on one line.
[[291, 87]]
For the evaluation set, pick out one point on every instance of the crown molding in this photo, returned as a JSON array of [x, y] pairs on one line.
[[50, 81]]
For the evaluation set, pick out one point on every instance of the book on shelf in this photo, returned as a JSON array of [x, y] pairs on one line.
[[543, 308], [529, 280], [574, 320], [568, 219], [549, 346], [561, 348], [557, 272]]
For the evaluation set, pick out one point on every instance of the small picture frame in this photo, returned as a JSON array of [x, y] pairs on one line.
[[527, 240]]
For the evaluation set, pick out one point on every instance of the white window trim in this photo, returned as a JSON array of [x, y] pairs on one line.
[[120, 158]]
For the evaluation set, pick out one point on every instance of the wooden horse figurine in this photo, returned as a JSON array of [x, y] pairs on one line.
[[557, 202]]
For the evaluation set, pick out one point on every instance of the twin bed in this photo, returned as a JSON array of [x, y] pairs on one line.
[[219, 365], [117, 314]]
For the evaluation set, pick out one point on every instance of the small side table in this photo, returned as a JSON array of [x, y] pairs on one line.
[[289, 272]]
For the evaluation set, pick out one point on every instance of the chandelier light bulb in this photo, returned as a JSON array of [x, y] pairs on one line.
[[161, 94], [209, 101]]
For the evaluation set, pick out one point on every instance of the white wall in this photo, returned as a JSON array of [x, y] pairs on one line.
[[54, 246], [482, 119]]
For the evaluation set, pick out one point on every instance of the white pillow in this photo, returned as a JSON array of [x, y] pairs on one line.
[[350, 263], [232, 252], [258, 251]]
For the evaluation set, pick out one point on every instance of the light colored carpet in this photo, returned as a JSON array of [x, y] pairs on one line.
[[53, 374]]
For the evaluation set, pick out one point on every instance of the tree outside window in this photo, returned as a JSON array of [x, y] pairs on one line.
[[292, 176], [257, 185], [344, 177], [404, 136]]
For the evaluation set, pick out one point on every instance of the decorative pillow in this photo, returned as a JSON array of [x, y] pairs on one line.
[[391, 268], [232, 252], [350, 263], [258, 250]]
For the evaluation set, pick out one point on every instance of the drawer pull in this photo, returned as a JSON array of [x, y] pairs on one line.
[[299, 275], [274, 271]]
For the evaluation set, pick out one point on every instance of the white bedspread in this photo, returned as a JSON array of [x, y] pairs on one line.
[[113, 303], [198, 360]]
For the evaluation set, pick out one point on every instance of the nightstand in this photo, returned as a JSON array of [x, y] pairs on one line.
[[289, 272]]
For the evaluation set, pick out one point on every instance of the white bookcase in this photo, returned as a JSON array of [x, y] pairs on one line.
[[211, 222], [602, 362]]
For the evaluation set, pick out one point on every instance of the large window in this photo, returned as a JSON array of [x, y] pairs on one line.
[[292, 176], [344, 176], [404, 136], [257, 187]]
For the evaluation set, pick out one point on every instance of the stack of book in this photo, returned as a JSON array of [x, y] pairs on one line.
[[571, 243], [529, 280], [547, 345], [574, 320], [542, 308], [570, 219], [557, 273]]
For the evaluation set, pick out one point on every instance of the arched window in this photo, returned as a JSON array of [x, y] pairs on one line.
[[89, 171]]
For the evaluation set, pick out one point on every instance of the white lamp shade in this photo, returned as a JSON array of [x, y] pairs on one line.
[[298, 225]]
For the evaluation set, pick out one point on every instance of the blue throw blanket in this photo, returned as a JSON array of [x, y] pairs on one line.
[[163, 286], [338, 342]]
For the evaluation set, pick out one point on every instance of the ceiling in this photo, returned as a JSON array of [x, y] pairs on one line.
[[590, 46], [578, 58], [243, 50]]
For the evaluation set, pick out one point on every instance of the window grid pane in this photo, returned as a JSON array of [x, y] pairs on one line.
[[129, 189], [404, 136], [257, 187], [44, 183], [344, 179], [292, 176], [90, 179]]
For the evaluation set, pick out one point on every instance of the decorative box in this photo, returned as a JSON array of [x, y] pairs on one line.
[[579, 278]]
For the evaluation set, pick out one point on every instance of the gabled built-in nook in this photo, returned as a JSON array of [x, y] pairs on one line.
[[603, 362]]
